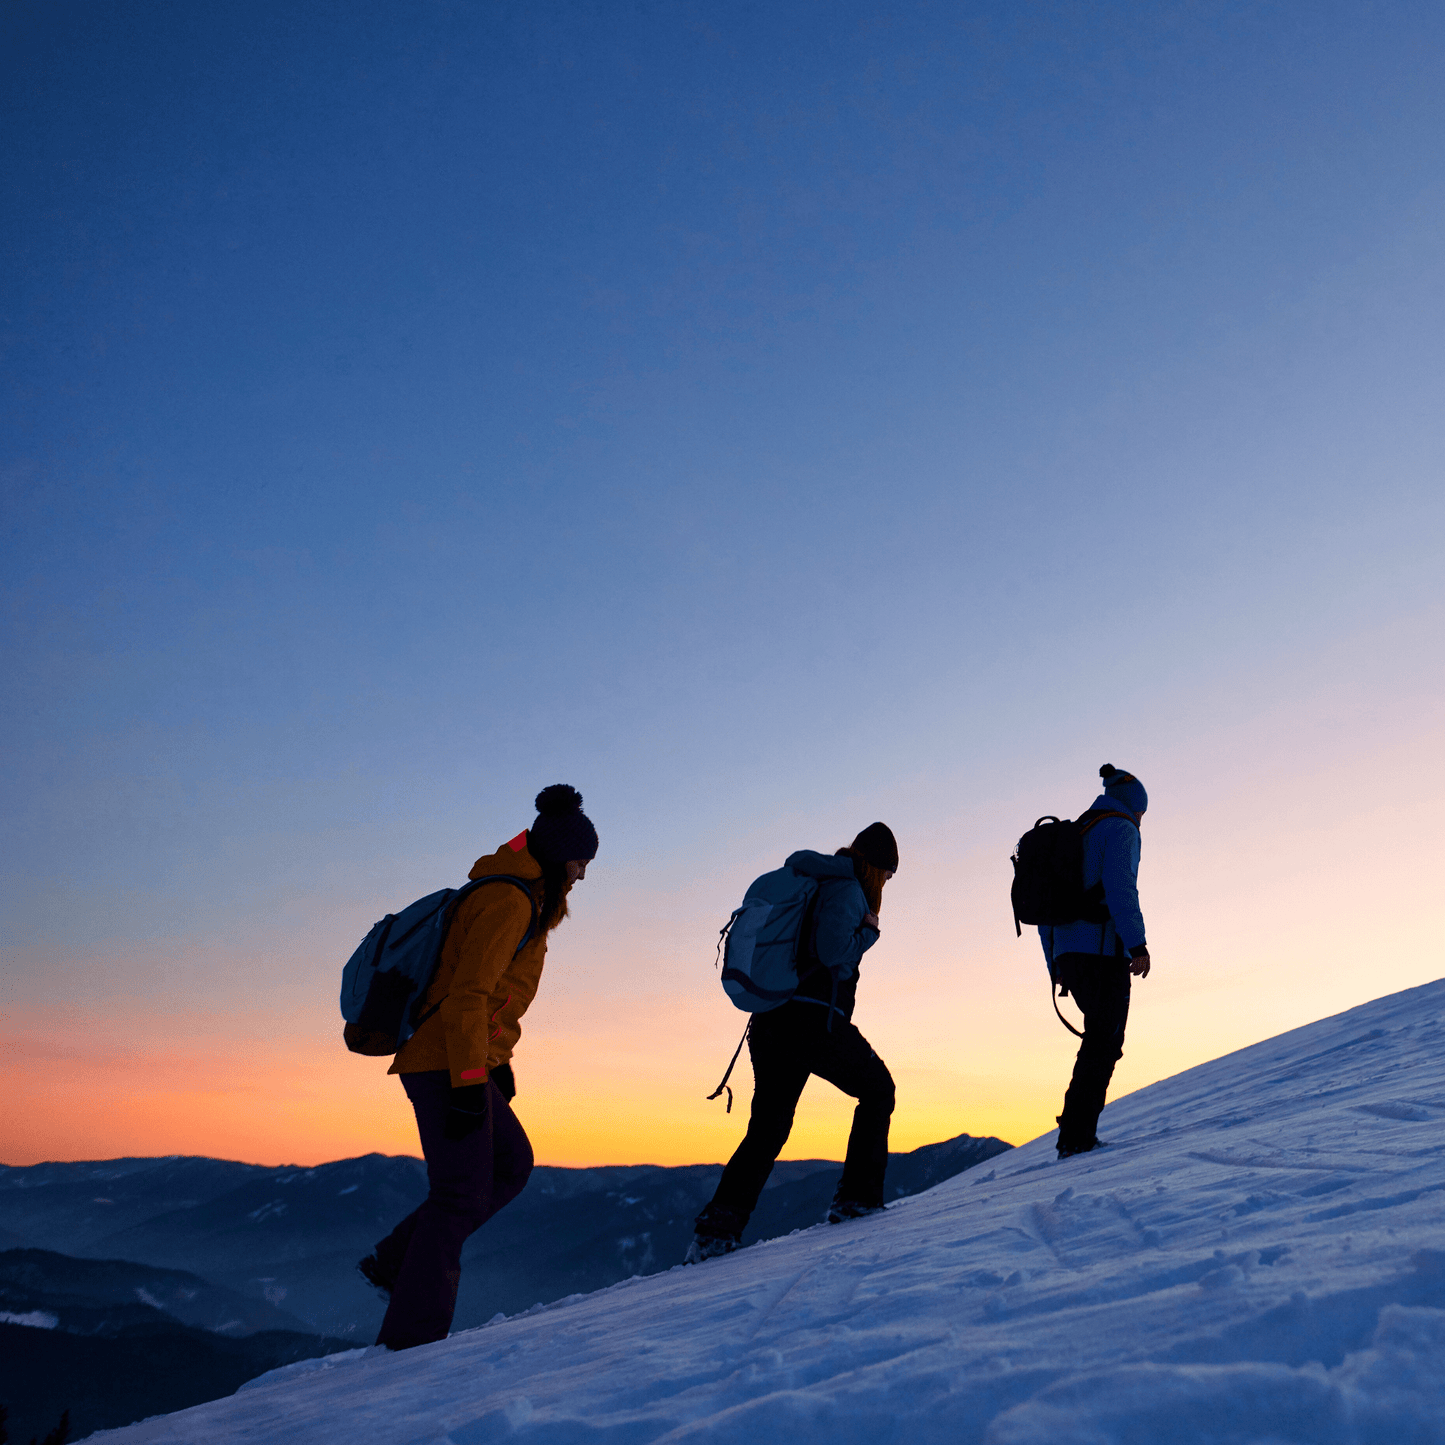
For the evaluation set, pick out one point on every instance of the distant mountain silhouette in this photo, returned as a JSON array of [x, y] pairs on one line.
[[69, 1206], [292, 1236]]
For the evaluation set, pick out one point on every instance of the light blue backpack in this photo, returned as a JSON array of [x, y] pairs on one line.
[[760, 943], [760, 946]]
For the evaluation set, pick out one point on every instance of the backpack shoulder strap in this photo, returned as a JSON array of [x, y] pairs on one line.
[[808, 961], [451, 906], [473, 884], [1087, 820]]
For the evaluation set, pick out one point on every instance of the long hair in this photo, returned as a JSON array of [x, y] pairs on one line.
[[870, 877], [555, 889]]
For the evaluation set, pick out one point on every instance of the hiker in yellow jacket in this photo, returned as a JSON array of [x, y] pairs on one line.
[[456, 1067]]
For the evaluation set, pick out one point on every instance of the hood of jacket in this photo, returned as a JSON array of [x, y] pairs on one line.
[[512, 857], [1105, 804], [819, 865]]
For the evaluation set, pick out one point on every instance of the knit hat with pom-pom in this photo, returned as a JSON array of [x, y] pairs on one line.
[[1124, 789], [562, 832], [877, 845]]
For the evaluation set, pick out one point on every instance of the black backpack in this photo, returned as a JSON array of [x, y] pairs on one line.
[[1048, 885]]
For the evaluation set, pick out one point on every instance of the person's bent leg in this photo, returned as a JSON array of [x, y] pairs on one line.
[[846, 1060], [778, 1080], [390, 1252], [511, 1168], [512, 1157], [460, 1173], [1100, 987]]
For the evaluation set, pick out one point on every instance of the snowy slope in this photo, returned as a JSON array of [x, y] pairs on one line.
[[1258, 1256]]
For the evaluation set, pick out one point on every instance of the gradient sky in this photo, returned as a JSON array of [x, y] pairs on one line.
[[768, 418]]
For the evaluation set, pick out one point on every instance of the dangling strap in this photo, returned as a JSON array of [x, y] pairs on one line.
[[722, 936], [728, 1075], [1053, 994]]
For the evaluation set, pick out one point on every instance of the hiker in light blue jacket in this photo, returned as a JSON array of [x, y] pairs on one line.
[[814, 1033], [1096, 961]]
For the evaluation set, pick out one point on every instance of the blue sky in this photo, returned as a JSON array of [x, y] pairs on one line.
[[764, 417]]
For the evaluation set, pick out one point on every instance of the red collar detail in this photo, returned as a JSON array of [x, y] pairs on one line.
[[519, 842]]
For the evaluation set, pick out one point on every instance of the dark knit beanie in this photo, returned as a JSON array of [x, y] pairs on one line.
[[877, 845], [1124, 789], [562, 832]]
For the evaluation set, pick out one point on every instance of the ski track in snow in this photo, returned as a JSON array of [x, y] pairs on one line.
[[1257, 1257]]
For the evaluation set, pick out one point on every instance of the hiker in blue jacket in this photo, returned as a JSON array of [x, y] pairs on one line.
[[813, 1033], [1096, 961]]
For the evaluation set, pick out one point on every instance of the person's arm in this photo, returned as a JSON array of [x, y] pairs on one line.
[[512, 996], [844, 934], [492, 923], [1121, 890], [1046, 939]]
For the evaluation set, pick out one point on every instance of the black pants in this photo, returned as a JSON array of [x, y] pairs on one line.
[[787, 1045], [1100, 987], [471, 1179]]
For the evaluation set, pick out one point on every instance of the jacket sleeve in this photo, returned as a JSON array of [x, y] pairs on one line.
[[842, 937], [1121, 882], [511, 998], [492, 923], [1046, 937]]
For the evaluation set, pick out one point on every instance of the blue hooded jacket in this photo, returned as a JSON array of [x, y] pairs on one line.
[[1111, 856], [842, 937]]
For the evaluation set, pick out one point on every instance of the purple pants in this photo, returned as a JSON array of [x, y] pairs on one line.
[[471, 1179]]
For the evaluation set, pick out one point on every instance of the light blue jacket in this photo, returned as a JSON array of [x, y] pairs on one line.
[[1111, 856]]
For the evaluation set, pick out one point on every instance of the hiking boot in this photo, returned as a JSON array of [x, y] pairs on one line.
[[709, 1246], [370, 1270], [843, 1209], [1067, 1148], [719, 1230]]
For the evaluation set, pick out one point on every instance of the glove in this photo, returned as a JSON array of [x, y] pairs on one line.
[[466, 1113], [506, 1084]]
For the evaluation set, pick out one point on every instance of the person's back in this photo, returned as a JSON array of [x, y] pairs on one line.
[[1095, 961]]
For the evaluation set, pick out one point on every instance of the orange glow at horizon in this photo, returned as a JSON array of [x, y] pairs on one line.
[[302, 1102]]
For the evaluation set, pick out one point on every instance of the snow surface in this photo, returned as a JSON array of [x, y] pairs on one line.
[[1257, 1257]]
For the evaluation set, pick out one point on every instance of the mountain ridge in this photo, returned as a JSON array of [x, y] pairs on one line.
[[292, 1236]]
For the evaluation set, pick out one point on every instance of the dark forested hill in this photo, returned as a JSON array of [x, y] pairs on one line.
[[111, 1341], [102, 1296]]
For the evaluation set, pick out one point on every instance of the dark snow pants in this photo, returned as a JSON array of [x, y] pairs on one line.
[[787, 1045], [471, 1179], [1100, 987]]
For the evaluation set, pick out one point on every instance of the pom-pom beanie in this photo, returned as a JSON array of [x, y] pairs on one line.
[[877, 845], [1124, 789], [562, 832]]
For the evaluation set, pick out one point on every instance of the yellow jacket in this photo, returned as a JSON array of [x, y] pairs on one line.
[[483, 991]]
